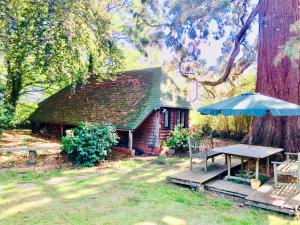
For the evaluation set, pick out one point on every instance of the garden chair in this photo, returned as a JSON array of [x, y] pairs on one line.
[[201, 148], [290, 167]]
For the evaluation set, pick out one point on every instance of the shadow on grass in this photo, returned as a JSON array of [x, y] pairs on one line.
[[130, 192]]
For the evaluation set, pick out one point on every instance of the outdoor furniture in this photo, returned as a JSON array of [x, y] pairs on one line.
[[201, 148], [245, 151], [287, 168], [31, 151]]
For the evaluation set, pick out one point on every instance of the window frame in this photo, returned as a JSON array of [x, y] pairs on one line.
[[167, 113], [182, 118]]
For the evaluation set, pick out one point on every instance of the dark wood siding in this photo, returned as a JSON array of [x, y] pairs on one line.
[[174, 114], [143, 136], [148, 137]]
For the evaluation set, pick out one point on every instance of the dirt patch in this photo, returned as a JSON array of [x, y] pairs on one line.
[[56, 180], [45, 161], [21, 138], [26, 185], [81, 177]]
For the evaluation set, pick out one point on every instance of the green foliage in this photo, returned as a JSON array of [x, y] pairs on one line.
[[184, 27], [23, 111], [6, 116], [178, 139], [291, 48], [234, 127], [46, 44], [89, 143]]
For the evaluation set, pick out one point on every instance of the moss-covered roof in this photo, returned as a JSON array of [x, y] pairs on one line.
[[124, 102]]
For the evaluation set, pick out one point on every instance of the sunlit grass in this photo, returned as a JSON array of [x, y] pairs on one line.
[[129, 192]]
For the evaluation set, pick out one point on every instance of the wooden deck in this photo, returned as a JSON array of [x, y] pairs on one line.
[[229, 188], [281, 199], [197, 176]]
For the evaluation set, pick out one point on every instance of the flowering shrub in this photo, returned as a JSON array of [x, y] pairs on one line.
[[88, 144], [178, 139]]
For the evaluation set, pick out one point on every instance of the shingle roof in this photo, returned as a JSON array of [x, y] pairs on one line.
[[124, 102]]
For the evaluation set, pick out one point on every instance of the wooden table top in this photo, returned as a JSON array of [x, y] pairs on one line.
[[243, 150]]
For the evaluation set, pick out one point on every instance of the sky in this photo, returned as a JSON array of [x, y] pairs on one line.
[[210, 51]]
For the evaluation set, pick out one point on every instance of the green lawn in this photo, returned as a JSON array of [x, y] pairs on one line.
[[128, 192]]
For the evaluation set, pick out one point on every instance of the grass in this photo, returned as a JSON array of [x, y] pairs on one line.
[[130, 192]]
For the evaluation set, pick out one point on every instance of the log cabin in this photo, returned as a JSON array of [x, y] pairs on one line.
[[143, 105]]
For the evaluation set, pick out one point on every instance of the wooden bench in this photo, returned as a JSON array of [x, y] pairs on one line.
[[287, 168], [31, 150], [201, 148]]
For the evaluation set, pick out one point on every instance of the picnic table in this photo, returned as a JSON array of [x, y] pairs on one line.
[[245, 151]]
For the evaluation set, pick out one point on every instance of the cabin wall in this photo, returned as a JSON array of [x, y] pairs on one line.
[[143, 136], [123, 138], [49, 129], [148, 137], [174, 114]]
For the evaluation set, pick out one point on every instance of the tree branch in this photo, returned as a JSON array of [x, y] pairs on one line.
[[236, 50]]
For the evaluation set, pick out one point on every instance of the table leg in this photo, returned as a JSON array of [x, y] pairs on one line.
[[268, 166], [229, 164], [248, 164], [256, 168], [242, 163]]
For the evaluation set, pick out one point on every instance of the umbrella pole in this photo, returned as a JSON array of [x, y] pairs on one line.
[[250, 132]]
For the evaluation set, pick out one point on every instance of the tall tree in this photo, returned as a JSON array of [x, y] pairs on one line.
[[185, 25], [45, 43], [279, 79]]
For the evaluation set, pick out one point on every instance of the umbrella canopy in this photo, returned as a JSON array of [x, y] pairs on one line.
[[252, 104]]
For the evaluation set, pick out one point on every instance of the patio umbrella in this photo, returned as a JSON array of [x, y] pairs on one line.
[[251, 104]]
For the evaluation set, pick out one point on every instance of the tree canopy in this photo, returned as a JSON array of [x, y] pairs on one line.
[[185, 26], [46, 43]]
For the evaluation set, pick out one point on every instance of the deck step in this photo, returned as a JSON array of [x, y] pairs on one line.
[[229, 188], [281, 199], [198, 176]]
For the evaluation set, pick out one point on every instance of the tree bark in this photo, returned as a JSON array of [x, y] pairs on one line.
[[14, 87], [280, 81]]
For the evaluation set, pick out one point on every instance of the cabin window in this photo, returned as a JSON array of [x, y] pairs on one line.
[[182, 118], [167, 118]]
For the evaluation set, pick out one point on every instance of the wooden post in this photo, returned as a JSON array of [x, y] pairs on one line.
[[61, 130], [242, 163], [229, 164], [256, 168], [130, 141], [268, 166], [275, 174], [248, 164], [32, 157], [157, 129], [191, 153], [298, 173], [205, 162]]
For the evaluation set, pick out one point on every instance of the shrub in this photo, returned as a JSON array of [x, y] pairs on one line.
[[88, 144], [6, 117], [178, 139]]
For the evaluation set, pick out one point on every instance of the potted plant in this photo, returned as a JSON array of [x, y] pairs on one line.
[[255, 184]]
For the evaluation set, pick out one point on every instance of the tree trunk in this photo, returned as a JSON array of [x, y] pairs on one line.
[[280, 81], [14, 86]]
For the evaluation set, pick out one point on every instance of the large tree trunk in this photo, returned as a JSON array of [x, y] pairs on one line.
[[281, 81]]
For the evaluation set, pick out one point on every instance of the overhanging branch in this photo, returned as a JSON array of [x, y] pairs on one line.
[[236, 50]]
